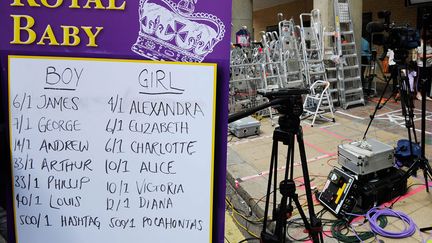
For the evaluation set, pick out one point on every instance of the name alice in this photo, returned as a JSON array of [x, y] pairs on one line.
[[24, 34]]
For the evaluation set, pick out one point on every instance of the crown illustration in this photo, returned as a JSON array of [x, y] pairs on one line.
[[173, 31]]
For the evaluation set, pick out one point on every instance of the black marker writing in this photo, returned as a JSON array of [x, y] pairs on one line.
[[117, 204], [155, 204], [66, 165], [61, 202], [80, 221], [168, 188], [157, 82], [171, 223], [116, 222], [68, 145], [67, 184], [158, 127], [161, 148], [149, 108], [67, 78], [158, 167], [49, 125], [58, 103]]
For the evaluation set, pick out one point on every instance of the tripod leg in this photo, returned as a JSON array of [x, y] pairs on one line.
[[290, 162], [315, 232], [425, 174], [275, 168], [269, 183], [428, 172], [378, 106], [300, 210], [286, 186], [428, 169], [289, 166]]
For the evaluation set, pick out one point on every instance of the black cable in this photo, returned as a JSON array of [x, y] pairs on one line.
[[363, 235], [328, 236], [293, 222], [259, 200], [229, 203], [321, 213], [242, 214]]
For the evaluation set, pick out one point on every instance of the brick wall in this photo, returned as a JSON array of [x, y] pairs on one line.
[[267, 17]]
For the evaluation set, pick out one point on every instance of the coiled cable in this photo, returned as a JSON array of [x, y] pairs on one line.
[[375, 213], [337, 227]]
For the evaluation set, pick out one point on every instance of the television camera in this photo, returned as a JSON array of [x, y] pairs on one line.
[[400, 39]]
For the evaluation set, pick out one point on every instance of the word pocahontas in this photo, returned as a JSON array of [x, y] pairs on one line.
[[171, 223]]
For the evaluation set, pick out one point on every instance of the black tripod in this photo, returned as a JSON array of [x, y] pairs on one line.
[[289, 128], [403, 87], [290, 107], [422, 162], [408, 113]]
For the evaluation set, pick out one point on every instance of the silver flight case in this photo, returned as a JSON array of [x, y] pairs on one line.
[[245, 127], [365, 157]]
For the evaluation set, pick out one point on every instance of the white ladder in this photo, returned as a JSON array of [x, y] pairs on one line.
[[349, 70], [331, 61], [314, 103], [290, 56], [312, 47]]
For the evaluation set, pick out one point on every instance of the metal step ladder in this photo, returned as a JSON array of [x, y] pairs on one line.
[[331, 60], [315, 103], [290, 57], [312, 47], [349, 70], [272, 75]]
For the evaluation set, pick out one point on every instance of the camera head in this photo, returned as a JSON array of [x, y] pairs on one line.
[[288, 102], [380, 26], [398, 38]]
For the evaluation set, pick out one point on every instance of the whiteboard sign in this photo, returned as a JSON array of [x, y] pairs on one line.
[[107, 150]]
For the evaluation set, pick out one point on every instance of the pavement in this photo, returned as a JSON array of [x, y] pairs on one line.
[[248, 165]]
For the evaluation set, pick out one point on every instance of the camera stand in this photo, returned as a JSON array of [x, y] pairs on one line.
[[423, 162], [403, 88], [408, 113], [289, 128], [289, 104]]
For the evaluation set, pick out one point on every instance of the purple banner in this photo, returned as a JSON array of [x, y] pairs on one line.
[[179, 30], [171, 30]]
